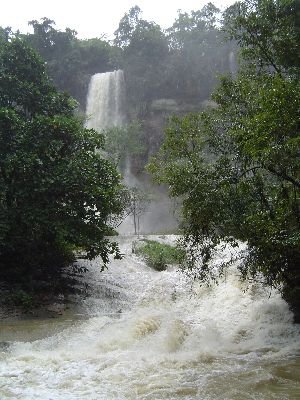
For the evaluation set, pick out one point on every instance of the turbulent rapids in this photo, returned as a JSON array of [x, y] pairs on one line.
[[148, 335], [157, 335]]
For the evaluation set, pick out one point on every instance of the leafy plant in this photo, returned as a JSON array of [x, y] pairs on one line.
[[159, 255], [236, 167], [21, 298]]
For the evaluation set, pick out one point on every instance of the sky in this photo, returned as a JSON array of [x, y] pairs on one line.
[[93, 18]]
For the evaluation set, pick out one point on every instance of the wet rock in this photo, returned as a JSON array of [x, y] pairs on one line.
[[4, 346], [57, 308]]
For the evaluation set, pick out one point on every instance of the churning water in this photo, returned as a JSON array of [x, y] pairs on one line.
[[157, 335]]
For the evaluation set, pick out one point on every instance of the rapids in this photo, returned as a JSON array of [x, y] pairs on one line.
[[157, 335]]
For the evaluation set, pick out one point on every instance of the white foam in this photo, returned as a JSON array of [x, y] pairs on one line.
[[171, 340]]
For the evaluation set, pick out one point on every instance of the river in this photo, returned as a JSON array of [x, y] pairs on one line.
[[142, 334]]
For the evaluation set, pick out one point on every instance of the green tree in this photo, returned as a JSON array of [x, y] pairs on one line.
[[182, 62], [236, 167], [125, 144], [56, 191], [268, 32], [60, 52], [145, 52], [198, 53], [127, 26], [71, 62], [135, 203], [138, 203], [5, 34]]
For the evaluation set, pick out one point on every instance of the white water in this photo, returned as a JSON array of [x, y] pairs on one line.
[[156, 335], [106, 108], [106, 100]]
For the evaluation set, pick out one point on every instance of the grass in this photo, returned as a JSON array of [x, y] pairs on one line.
[[159, 255]]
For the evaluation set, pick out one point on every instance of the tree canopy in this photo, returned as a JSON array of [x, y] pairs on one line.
[[181, 62], [70, 62], [57, 193], [236, 166]]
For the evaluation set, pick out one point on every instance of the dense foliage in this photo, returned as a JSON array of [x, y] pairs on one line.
[[70, 61], [165, 71], [57, 192], [198, 53], [159, 255], [125, 144], [236, 166], [145, 56], [182, 63]]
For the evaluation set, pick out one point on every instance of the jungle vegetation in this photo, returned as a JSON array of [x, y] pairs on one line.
[[236, 165], [57, 193]]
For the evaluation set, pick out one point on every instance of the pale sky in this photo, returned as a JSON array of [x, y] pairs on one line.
[[92, 18]]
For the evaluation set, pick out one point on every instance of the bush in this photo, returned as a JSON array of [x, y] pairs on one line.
[[21, 299], [159, 255]]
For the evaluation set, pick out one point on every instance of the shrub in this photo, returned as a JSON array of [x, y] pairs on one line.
[[159, 255]]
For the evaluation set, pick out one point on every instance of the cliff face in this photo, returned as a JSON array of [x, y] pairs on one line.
[[155, 117]]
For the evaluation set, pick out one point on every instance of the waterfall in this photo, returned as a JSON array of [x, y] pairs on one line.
[[106, 100], [232, 63], [105, 109]]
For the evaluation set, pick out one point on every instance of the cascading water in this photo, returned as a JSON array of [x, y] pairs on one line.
[[156, 335], [106, 107], [106, 101], [152, 335], [232, 63]]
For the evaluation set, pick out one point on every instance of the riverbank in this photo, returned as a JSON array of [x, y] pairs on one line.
[[17, 302]]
